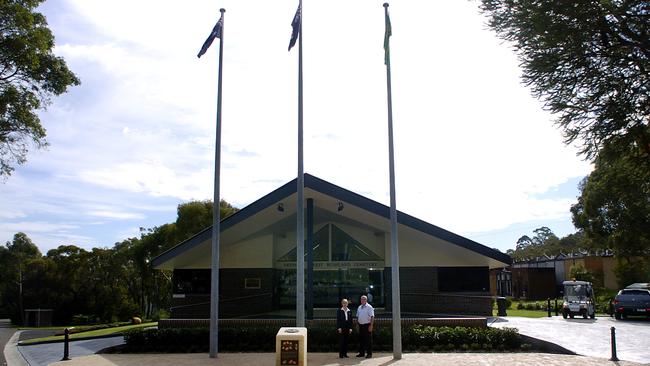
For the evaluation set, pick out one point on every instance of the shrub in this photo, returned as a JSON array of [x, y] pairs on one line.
[[459, 336], [322, 338], [520, 306], [160, 314], [83, 319]]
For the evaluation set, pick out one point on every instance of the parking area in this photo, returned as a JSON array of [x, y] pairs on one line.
[[588, 337]]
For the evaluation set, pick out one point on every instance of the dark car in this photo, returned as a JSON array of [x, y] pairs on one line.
[[632, 301]]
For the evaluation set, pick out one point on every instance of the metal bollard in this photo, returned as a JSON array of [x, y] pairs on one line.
[[614, 358], [548, 307], [66, 346], [556, 312]]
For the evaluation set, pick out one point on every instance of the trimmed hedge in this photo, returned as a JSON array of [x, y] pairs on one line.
[[321, 339]]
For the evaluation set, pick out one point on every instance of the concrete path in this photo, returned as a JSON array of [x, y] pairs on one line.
[[6, 331], [12, 356], [588, 337], [45, 354], [331, 359]]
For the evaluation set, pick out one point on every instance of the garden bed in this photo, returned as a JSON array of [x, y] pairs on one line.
[[415, 338]]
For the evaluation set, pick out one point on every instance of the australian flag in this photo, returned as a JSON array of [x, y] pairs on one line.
[[216, 33], [295, 24]]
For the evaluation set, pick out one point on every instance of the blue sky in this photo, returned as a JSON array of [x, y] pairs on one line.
[[475, 153]]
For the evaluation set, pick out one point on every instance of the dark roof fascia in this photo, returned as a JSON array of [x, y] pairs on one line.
[[239, 216], [341, 194], [402, 218]]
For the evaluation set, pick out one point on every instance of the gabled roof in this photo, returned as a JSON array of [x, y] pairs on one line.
[[343, 195]]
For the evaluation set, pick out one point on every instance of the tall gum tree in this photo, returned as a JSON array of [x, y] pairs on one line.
[[588, 61], [613, 210], [30, 75]]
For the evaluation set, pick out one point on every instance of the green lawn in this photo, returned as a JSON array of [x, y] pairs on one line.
[[526, 313], [92, 333]]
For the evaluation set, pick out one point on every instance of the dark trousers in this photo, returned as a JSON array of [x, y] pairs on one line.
[[343, 341], [365, 340]]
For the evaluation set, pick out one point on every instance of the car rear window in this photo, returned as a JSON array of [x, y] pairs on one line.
[[636, 292]]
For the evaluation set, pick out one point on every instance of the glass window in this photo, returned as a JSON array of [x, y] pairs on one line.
[[321, 247], [463, 279], [636, 293], [252, 283], [346, 248], [330, 286], [191, 281]]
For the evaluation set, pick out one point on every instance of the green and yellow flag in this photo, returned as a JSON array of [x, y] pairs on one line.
[[386, 41]]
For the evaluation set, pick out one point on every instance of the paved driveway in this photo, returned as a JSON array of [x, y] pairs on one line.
[[45, 354], [588, 337]]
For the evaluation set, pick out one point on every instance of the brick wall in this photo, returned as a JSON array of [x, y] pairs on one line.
[[235, 299], [420, 294]]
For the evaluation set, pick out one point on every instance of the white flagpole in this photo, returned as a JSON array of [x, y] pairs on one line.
[[395, 291], [214, 279]]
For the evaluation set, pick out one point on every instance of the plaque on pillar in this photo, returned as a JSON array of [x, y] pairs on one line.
[[291, 346]]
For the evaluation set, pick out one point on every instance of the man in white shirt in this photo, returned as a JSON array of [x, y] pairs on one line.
[[365, 319]]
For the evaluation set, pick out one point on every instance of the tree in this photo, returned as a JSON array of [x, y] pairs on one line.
[[524, 242], [613, 210], [580, 273], [22, 247], [545, 242], [30, 75], [572, 242], [589, 61], [15, 257], [544, 236], [102, 284], [195, 216]]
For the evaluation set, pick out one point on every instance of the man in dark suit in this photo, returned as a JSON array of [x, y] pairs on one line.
[[343, 327]]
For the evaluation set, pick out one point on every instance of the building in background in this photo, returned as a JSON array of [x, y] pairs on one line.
[[440, 272], [541, 278]]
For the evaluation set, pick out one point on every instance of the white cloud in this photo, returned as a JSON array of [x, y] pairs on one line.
[[11, 214], [46, 235], [31, 226], [151, 178], [116, 215]]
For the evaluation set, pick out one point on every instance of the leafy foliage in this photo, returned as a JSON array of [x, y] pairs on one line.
[[580, 273], [545, 242], [588, 60], [30, 74], [613, 210], [101, 285], [16, 258]]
